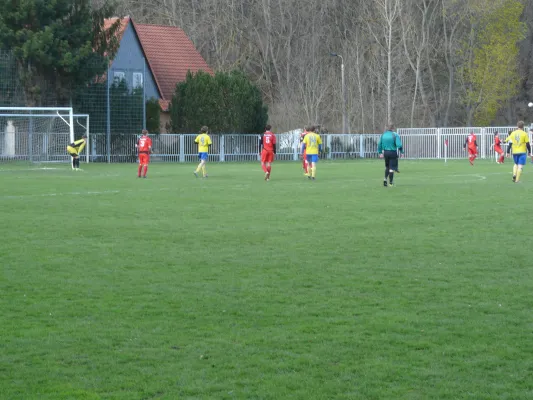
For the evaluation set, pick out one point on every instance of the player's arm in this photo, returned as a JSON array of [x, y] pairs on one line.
[[466, 142], [380, 145], [399, 143], [528, 146], [303, 148], [509, 146], [261, 143], [475, 143]]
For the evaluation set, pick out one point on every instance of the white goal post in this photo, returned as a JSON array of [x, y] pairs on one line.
[[40, 134]]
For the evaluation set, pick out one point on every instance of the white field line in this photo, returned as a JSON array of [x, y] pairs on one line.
[[88, 193], [242, 186]]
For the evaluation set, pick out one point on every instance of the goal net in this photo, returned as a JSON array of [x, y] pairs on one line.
[[40, 134]]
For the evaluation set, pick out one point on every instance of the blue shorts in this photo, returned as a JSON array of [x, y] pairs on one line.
[[202, 156], [312, 158], [520, 159]]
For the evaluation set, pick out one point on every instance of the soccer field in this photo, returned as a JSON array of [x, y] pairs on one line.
[[173, 287]]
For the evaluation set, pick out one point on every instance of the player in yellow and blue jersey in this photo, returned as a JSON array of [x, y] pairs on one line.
[[204, 141], [520, 147], [312, 146], [74, 149]]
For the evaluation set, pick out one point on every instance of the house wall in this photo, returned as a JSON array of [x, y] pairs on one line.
[[129, 63], [164, 121]]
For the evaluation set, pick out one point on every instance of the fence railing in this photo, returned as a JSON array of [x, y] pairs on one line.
[[423, 143]]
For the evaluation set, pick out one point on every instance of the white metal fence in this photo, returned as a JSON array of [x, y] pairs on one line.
[[423, 143]]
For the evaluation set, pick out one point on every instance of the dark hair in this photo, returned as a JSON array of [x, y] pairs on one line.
[[312, 128], [268, 127], [204, 129], [520, 124], [390, 127], [144, 132], [495, 133], [84, 137]]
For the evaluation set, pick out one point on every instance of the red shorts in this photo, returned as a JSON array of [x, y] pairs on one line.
[[498, 150], [267, 156], [144, 158], [472, 152]]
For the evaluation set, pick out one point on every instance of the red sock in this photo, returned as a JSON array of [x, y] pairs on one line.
[[305, 167], [145, 169], [502, 158], [269, 169], [139, 171], [265, 170]]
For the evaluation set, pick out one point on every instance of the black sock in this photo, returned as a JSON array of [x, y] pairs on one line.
[[391, 177], [77, 162], [386, 173]]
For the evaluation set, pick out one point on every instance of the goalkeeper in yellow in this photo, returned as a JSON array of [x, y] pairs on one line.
[[74, 149], [521, 148]]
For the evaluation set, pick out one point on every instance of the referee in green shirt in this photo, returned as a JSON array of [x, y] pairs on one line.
[[388, 146]]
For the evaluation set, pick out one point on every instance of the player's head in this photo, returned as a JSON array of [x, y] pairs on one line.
[[268, 127], [390, 127], [311, 128], [306, 128], [144, 132], [520, 124], [84, 137], [204, 129], [496, 133]]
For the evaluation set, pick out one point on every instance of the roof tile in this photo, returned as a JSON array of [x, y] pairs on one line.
[[170, 54]]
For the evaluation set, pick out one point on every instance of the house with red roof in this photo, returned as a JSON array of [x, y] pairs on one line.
[[155, 58]]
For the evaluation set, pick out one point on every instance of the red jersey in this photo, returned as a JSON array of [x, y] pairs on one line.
[[268, 141], [144, 144], [497, 142], [471, 141]]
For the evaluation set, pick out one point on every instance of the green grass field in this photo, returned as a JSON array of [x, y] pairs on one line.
[[114, 287]]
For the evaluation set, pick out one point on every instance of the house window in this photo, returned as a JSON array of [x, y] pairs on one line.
[[137, 80], [119, 76]]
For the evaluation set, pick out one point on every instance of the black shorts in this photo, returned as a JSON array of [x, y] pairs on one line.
[[391, 159], [73, 155]]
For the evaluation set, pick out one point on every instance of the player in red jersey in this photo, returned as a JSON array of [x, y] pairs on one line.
[[267, 147], [144, 147], [304, 156], [498, 148], [472, 147]]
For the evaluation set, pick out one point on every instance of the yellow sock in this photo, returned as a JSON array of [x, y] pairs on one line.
[[518, 173], [204, 171], [313, 172], [198, 168], [515, 167]]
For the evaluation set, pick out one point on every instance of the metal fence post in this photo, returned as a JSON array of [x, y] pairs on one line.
[[182, 148], [221, 155], [483, 139], [362, 146], [296, 149], [439, 148]]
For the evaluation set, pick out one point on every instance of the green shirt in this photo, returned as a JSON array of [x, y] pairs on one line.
[[390, 141]]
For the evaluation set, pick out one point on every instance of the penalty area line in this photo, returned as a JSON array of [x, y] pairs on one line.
[[87, 193]]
